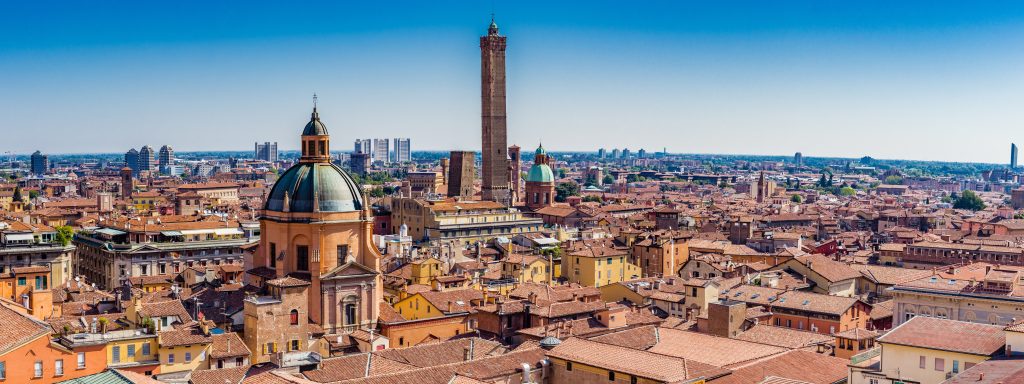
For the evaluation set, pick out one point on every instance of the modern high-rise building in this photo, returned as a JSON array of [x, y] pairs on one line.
[[131, 160], [266, 152], [403, 150], [601, 153], [625, 153], [798, 159], [40, 163], [363, 146], [616, 153], [381, 151], [1013, 156], [494, 152], [461, 171], [147, 159], [642, 153], [166, 156]]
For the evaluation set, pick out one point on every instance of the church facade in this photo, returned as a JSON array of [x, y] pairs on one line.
[[316, 227]]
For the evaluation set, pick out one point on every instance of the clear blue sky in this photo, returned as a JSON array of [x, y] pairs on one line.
[[921, 80]]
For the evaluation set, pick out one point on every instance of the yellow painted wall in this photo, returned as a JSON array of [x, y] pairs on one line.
[[617, 292], [179, 363], [416, 307], [425, 271], [598, 271], [139, 357], [536, 272]]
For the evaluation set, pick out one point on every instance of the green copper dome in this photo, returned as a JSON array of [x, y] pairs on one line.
[[540, 150], [540, 173], [321, 185]]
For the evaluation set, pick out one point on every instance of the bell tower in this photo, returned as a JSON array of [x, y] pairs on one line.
[[494, 153]]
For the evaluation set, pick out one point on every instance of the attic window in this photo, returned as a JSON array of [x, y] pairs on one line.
[[754, 296], [933, 279], [782, 300], [807, 302], [952, 281], [738, 294], [771, 298]]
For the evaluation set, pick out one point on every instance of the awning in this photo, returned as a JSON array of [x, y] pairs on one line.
[[171, 233], [227, 231], [110, 231], [18, 237]]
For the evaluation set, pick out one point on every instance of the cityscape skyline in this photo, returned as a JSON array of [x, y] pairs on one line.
[[641, 245], [886, 76]]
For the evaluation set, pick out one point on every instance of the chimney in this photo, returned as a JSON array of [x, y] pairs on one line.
[[467, 354], [526, 374]]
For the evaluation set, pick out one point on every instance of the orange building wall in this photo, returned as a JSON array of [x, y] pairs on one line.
[[855, 317], [20, 362], [408, 334]]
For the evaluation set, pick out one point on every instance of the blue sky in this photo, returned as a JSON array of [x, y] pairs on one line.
[[917, 80]]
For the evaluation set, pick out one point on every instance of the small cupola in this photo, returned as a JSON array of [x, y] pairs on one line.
[[316, 143]]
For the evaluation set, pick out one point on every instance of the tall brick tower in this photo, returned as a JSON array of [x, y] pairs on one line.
[[494, 153]]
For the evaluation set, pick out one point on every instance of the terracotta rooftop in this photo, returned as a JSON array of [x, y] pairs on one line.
[[18, 329], [993, 371], [288, 282], [228, 345], [957, 336], [783, 337], [717, 351], [799, 366], [653, 366]]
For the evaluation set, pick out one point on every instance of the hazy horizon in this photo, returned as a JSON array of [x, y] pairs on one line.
[[909, 80]]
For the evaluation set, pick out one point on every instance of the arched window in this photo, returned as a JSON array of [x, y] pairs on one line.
[[295, 317], [350, 306]]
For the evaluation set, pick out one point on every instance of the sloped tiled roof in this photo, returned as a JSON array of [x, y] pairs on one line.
[[635, 362], [956, 336]]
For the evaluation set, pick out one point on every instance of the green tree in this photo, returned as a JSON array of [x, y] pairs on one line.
[[33, 194], [847, 191], [894, 180], [608, 179], [969, 200], [377, 191], [17, 194], [65, 234], [561, 173], [564, 190], [796, 199], [593, 199]]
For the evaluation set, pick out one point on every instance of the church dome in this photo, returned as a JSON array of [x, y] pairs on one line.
[[540, 173], [323, 185]]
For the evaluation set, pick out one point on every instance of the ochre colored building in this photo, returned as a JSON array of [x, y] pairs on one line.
[[316, 227]]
